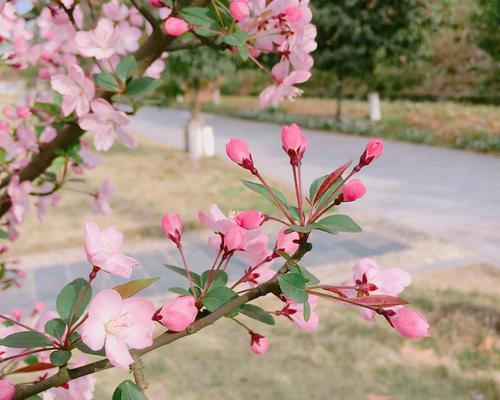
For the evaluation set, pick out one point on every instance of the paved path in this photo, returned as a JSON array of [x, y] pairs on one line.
[[452, 194]]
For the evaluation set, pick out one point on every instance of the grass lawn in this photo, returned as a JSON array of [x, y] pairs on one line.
[[347, 358], [474, 127], [149, 181]]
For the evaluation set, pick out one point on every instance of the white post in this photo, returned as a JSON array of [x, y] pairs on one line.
[[216, 96], [374, 104], [194, 130]]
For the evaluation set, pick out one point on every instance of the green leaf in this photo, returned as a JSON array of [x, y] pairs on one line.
[[126, 68], [307, 311], [179, 290], [130, 288], [128, 390], [3, 234], [217, 297], [87, 350], [106, 81], [309, 277], [313, 189], [255, 312], [3, 153], [338, 223], [218, 280], [262, 190], [182, 271], [141, 86], [237, 39], [302, 229], [60, 357], [292, 286], [70, 296], [56, 328], [26, 339], [200, 16], [49, 108], [35, 397], [30, 360]]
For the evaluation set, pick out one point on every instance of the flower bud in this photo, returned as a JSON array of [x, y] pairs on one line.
[[44, 74], [286, 242], [373, 150], [294, 143], [250, 219], [353, 190], [175, 26], [178, 313], [238, 151], [409, 323], [23, 112], [239, 9], [258, 343], [17, 313], [7, 390], [157, 3], [172, 227], [39, 307], [234, 239]]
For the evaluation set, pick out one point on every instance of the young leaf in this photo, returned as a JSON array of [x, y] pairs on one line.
[[261, 189], [38, 366], [218, 280], [307, 311], [237, 39], [26, 339], [182, 271], [292, 285], [255, 312], [70, 298], [200, 16], [309, 277], [3, 234], [49, 108], [87, 350], [217, 297], [338, 223], [128, 390], [179, 290], [60, 357], [141, 86], [55, 328], [302, 229], [378, 300], [130, 288], [126, 68], [329, 181], [106, 81]]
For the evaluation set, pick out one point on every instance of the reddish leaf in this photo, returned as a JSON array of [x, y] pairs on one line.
[[378, 300], [130, 288], [330, 180], [40, 366]]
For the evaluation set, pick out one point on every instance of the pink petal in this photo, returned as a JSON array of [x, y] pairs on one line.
[[118, 353], [93, 333]]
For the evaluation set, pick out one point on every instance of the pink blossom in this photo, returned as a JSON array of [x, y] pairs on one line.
[[17, 313], [374, 150], [239, 9], [102, 249], [7, 390], [77, 91], [23, 112], [250, 219], [234, 239], [19, 197], [258, 344], [155, 69], [129, 38], [216, 221], [353, 190], [106, 123], [157, 3], [47, 135], [44, 202], [118, 325], [295, 312], [172, 227], [100, 43], [175, 26], [103, 197], [294, 142], [39, 307], [256, 276], [287, 242], [408, 323], [27, 138], [178, 313], [44, 74], [115, 11], [238, 151]]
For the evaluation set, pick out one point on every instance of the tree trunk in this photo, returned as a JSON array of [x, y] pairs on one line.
[[338, 114]]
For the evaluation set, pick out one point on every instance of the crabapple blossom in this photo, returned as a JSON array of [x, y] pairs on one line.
[[23, 112], [19, 196], [7, 388], [172, 227], [373, 150], [287, 242], [178, 313], [408, 323], [103, 197], [258, 344], [234, 239], [239, 152], [216, 220], [99, 43], [294, 143], [77, 91], [102, 249], [239, 9], [250, 219], [353, 190], [295, 312], [175, 26], [118, 325]]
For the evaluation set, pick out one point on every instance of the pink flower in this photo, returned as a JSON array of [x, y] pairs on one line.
[[172, 227], [100, 43], [216, 220], [102, 249], [106, 123], [19, 197], [256, 276], [178, 313], [258, 343], [103, 197], [39, 307], [157, 3], [250, 219], [287, 242], [295, 312], [118, 325], [77, 90], [238, 151], [353, 190], [234, 239], [373, 150], [23, 112], [115, 11], [239, 9], [17, 313], [7, 390], [284, 84], [27, 138], [294, 143], [47, 135], [408, 323], [175, 26]]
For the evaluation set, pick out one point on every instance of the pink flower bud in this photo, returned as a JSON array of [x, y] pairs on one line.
[[7, 390], [373, 150], [409, 323], [294, 143], [234, 239], [157, 3], [250, 219], [17, 314], [258, 343], [286, 242], [239, 9], [238, 151], [44, 74], [23, 112], [39, 307], [4, 249], [353, 190], [172, 227], [293, 14], [178, 313], [175, 26]]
